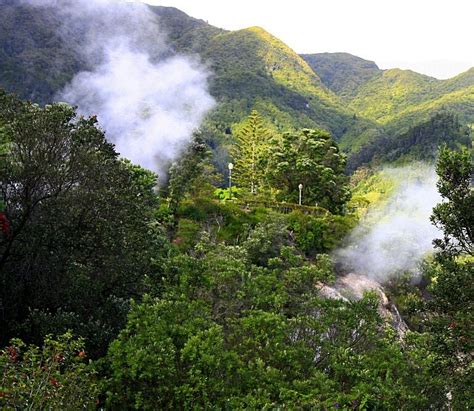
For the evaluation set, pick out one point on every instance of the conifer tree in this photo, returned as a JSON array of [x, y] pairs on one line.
[[250, 153]]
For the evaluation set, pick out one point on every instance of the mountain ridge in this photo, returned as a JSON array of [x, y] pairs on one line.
[[349, 96]]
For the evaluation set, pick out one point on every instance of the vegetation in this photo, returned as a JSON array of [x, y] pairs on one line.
[[233, 330], [449, 313], [419, 143], [401, 98], [117, 295], [81, 226], [310, 158], [194, 301], [342, 73], [251, 154], [251, 70], [54, 376], [455, 216]]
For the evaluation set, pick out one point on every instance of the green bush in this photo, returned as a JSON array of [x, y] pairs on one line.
[[314, 234], [54, 376]]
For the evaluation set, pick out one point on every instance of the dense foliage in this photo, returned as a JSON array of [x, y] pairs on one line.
[[251, 70], [420, 142], [403, 98], [114, 298], [250, 154], [227, 311], [449, 318], [343, 73], [455, 216], [245, 327], [81, 226], [313, 159], [54, 376]]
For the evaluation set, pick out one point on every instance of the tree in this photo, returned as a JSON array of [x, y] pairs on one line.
[[186, 170], [313, 159], [455, 216], [244, 327], [82, 228], [250, 153], [448, 315]]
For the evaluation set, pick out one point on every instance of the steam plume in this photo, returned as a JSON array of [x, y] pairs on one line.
[[148, 102], [395, 237]]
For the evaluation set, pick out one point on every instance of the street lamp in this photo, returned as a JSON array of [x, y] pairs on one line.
[[300, 186], [230, 166]]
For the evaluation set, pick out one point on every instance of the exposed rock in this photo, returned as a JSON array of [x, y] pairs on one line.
[[351, 287]]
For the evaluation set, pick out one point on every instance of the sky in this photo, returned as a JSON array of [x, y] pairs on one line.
[[433, 37]]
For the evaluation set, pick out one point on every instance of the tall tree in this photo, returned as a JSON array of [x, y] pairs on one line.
[[449, 317], [82, 232], [455, 216], [250, 153], [184, 172], [311, 158]]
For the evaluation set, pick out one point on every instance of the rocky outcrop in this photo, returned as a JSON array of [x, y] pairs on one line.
[[351, 287]]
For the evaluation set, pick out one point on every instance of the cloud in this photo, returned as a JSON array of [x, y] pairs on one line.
[[395, 237], [148, 101]]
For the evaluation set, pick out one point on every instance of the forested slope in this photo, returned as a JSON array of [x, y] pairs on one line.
[[250, 69], [398, 99], [343, 73]]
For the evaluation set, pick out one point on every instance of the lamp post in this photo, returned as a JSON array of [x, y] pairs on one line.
[[230, 166], [300, 186]]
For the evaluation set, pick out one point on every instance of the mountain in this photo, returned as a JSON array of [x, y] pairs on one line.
[[34, 62], [251, 69], [394, 98], [342, 73], [398, 99], [419, 143], [185, 33]]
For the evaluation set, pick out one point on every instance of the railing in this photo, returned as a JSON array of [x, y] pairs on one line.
[[284, 208]]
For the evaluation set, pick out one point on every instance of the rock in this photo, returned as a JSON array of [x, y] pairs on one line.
[[351, 287]]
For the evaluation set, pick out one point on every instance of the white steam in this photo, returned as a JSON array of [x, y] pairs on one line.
[[148, 102], [395, 237]]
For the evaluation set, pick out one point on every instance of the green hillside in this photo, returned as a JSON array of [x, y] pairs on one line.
[[420, 142], [398, 99], [342, 73], [262, 267], [257, 70], [251, 69], [33, 61], [185, 33]]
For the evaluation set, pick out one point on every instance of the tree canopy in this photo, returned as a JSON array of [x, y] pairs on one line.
[[78, 216], [311, 158], [455, 216]]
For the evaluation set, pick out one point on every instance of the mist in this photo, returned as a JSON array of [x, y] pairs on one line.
[[395, 237], [147, 100]]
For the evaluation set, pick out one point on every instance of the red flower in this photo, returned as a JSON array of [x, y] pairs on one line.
[[54, 381], [82, 354], [4, 223], [13, 353]]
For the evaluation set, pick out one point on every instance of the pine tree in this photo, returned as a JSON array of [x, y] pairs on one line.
[[250, 153]]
